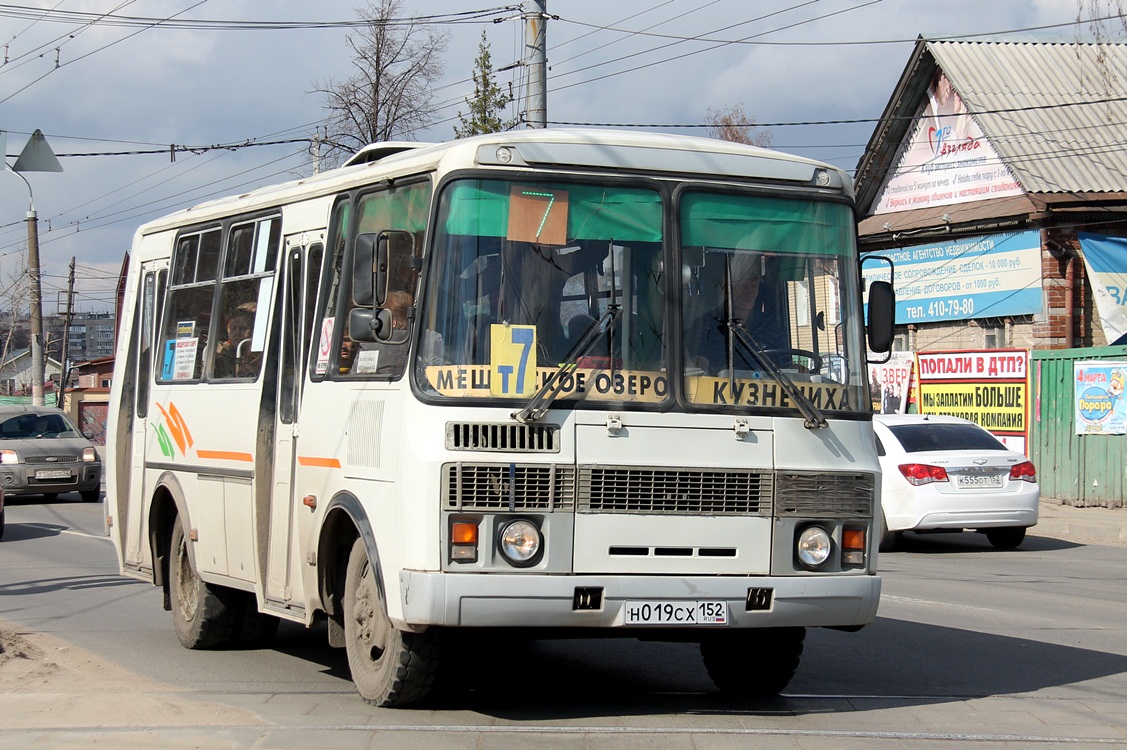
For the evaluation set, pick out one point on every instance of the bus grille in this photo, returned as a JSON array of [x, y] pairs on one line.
[[510, 487], [674, 491], [819, 494], [666, 491], [521, 438]]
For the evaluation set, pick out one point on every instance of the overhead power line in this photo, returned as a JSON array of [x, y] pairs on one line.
[[110, 19], [856, 121], [251, 143], [834, 43]]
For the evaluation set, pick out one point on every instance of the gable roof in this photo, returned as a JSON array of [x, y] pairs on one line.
[[1054, 113], [15, 355]]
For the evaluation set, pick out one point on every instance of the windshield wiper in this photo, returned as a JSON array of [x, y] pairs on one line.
[[814, 419], [546, 394]]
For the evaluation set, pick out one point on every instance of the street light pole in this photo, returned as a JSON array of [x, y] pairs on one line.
[[38, 368], [35, 157]]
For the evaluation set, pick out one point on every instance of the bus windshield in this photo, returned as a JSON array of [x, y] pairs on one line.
[[522, 271], [768, 290], [537, 280]]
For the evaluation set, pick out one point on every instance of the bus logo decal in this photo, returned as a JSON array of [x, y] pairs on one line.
[[177, 427]]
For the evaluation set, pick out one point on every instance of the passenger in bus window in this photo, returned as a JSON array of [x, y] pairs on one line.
[[389, 357], [233, 357], [347, 354], [392, 357]]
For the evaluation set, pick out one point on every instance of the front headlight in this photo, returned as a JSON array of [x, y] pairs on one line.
[[9, 457], [520, 543], [89, 455], [814, 546]]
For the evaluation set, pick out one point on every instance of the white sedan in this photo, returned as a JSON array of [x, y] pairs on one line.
[[947, 474]]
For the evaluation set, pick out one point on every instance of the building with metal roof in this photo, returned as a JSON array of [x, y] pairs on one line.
[[993, 170]]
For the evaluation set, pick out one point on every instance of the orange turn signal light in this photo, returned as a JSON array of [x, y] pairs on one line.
[[463, 532], [853, 539]]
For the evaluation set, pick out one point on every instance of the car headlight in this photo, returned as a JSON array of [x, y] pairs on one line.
[[814, 546], [89, 455], [520, 543], [9, 457]]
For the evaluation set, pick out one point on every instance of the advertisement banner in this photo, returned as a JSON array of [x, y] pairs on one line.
[[975, 277], [946, 160], [1100, 406], [890, 383], [989, 387], [1106, 259]]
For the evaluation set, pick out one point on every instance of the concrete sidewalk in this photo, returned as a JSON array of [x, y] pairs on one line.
[[1094, 525]]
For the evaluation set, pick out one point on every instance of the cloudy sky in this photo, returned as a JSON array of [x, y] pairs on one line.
[[102, 90]]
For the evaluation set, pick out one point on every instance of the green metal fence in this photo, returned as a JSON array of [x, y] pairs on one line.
[[48, 399], [1073, 469]]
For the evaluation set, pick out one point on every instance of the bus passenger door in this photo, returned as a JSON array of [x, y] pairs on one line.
[[134, 546], [299, 287]]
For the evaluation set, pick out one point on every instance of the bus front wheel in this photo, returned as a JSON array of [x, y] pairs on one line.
[[754, 662], [205, 616], [389, 667]]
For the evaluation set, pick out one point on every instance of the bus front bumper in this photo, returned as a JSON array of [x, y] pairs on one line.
[[540, 601]]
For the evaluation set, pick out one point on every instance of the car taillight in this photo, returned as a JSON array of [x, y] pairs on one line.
[[919, 474], [1025, 471]]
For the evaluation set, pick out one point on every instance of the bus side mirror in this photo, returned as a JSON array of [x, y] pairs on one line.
[[882, 316], [366, 324], [363, 269], [380, 270], [374, 255]]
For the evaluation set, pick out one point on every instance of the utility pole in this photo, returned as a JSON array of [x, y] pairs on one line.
[[535, 14], [67, 314], [36, 314]]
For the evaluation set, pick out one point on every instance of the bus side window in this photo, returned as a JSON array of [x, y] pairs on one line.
[[383, 277], [246, 290], [183, 338]]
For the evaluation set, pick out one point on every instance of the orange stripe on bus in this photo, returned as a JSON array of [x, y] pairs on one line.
[[226, 455], [324, 463]]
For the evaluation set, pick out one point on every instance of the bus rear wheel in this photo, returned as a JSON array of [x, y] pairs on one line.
[[389, 667], [757, 663], [205, 616]]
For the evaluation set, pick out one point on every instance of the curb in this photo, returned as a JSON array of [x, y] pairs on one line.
[[1080, 531]]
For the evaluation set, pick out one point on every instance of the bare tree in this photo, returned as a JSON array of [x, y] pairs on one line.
[[1106, 24], [734, 124], [389, 95], [15, 295]]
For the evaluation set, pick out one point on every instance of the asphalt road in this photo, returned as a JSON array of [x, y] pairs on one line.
[[973, 648]]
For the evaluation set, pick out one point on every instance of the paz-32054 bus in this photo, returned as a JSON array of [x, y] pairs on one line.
[[563, 381]]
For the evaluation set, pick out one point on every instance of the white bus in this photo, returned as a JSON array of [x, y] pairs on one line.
[[578, 383]]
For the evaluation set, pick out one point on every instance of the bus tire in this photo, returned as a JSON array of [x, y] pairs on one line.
[[756, 662], [205, 616], [389, 667]]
